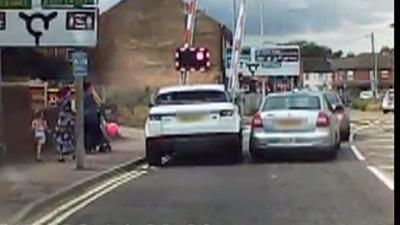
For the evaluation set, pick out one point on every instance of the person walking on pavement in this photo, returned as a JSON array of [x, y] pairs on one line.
[[39, 127], [93, 133], [65, 128]]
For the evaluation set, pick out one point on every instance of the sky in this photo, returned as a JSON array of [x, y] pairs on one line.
[[339, 24]]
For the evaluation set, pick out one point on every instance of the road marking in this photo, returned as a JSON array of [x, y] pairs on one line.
[[357, 153], [90, 196], [381, 155], [386, 180], [386, 167]]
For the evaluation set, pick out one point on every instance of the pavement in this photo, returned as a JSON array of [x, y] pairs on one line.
[[25, 183]]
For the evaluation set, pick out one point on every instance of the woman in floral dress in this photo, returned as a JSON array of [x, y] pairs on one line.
[[65, 128]]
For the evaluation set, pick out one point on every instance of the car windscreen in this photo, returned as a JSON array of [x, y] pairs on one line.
[[332, 99], [191, 97], [292, 102]]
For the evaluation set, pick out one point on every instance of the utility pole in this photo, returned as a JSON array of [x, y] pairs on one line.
[[234, 14], [2, 139], [374, 80], [262, 21], [263, 80]]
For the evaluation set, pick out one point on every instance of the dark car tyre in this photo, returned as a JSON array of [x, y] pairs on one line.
[[334, 151], [235, 149], [255, 154], [153, 155], [346, 136]]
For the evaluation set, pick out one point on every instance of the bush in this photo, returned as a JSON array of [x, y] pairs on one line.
[[366, 105], [373, 105], [132, 106], [133, 117]]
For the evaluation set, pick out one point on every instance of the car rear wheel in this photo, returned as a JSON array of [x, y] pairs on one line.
[[235, 150], [346, 135], [153, 155], [255, 154], [334, 151]]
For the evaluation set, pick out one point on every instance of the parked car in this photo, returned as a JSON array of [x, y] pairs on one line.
[[388, 101], [298, 121], [366, 95], [341, 113]]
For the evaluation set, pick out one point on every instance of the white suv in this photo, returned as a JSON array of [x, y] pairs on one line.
[[196, 118], [388, 101]]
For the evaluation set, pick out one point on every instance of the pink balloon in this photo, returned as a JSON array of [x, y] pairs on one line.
[[112, 129]]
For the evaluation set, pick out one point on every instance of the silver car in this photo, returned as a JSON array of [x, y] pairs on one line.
[[299, 121]]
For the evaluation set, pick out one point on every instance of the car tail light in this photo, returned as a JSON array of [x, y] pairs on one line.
[[226, 113], [155, 117], [323, 120], [257, 121], [158, 117]]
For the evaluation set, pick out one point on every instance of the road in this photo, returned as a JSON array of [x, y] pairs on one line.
[[191, 191]]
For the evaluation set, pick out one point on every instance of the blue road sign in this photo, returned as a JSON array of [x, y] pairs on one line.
[[80, 64]]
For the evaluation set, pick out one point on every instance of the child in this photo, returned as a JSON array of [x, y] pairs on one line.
[[39, 127]]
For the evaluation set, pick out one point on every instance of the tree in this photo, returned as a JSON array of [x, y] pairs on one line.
[[312, 49], [338, 54], [386, 50]]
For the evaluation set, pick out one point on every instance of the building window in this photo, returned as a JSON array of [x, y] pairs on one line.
[[385, 74], [321, 77], [350, 75], [306, 76]]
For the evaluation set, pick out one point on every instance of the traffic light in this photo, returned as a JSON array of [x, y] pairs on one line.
[[192, 59]]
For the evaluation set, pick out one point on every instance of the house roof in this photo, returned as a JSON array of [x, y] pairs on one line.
[[315, 65], [363, 61]]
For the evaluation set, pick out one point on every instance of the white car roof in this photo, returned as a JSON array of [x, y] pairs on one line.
[[179, 88]]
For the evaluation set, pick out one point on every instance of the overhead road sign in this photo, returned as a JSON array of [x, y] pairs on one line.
[[63, 4], [49, 28], [15, 4]]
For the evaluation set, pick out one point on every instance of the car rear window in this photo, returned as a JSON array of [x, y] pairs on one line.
[[332, 99], [191, 97], [292, 102]]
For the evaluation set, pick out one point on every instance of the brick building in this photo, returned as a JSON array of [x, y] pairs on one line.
[[358, 71]]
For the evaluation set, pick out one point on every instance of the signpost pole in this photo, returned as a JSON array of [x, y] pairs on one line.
[[263, 86], [80, 65], [80, 137]]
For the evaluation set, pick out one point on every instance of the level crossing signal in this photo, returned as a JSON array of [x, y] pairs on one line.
[[192, 59]]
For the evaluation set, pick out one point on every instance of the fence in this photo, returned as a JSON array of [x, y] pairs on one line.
[[251, 103]]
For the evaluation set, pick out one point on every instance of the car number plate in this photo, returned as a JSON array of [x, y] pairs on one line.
[[288, 140], [190, 118], [290, 124]]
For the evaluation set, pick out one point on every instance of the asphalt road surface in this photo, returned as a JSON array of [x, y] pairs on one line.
[[196, 191]]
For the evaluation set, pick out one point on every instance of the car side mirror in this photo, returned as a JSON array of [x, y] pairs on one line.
[[338, 108]]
